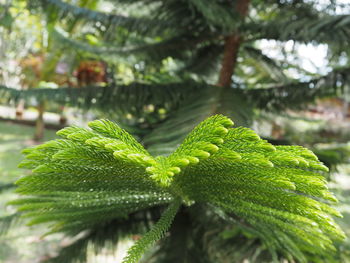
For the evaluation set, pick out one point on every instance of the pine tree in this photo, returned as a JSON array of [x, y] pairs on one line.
[[276, 211]]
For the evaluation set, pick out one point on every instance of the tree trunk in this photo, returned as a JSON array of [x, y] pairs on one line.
[[63, 119], [40, 126], [19, 110], [231, 49], [229, 60]]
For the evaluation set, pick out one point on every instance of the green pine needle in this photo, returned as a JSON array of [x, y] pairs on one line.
[[99, 174], [157, 232]]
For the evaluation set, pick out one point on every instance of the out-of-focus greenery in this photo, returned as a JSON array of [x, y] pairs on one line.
[[20, 244], [14, 138]]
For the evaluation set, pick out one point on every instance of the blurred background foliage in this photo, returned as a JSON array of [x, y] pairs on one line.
[[158, 68]]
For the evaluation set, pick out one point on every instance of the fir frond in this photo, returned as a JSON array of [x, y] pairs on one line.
[[215, 12], [102, 173], [130, 99], [87, 168], [194, 109], [296, 95], [104, 236], [61, 9], [274, 71], [334, 154], [157, 232], [205, 60], [7, 221], [6, 186], [175, 47], [198, 145], [156, 19], [170, 95], [331, 29]]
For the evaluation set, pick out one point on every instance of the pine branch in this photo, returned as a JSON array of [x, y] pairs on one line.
[[322, 29], [6, 222], [334, 154], [156, 20], [64, 9], [195, 108], [99, 174], [264, 63], [175, 47], [298, 94], [216, 13], [132, 99], [6, 186], [205, 60], [105, 236], [114, 101], [157, 232]]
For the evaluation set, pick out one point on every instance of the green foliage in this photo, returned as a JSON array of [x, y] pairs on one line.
[[129, 98], [104, 236], [272, 69], [157, 232], [164, 139], [120, 100], [7, 221], [224, 20], [96, 175], [181, 29], [295, 95], [63, 9], [333, 155], [324, 28]]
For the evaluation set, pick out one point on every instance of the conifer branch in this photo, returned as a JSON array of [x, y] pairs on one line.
[[102, 173], [157, 232]]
